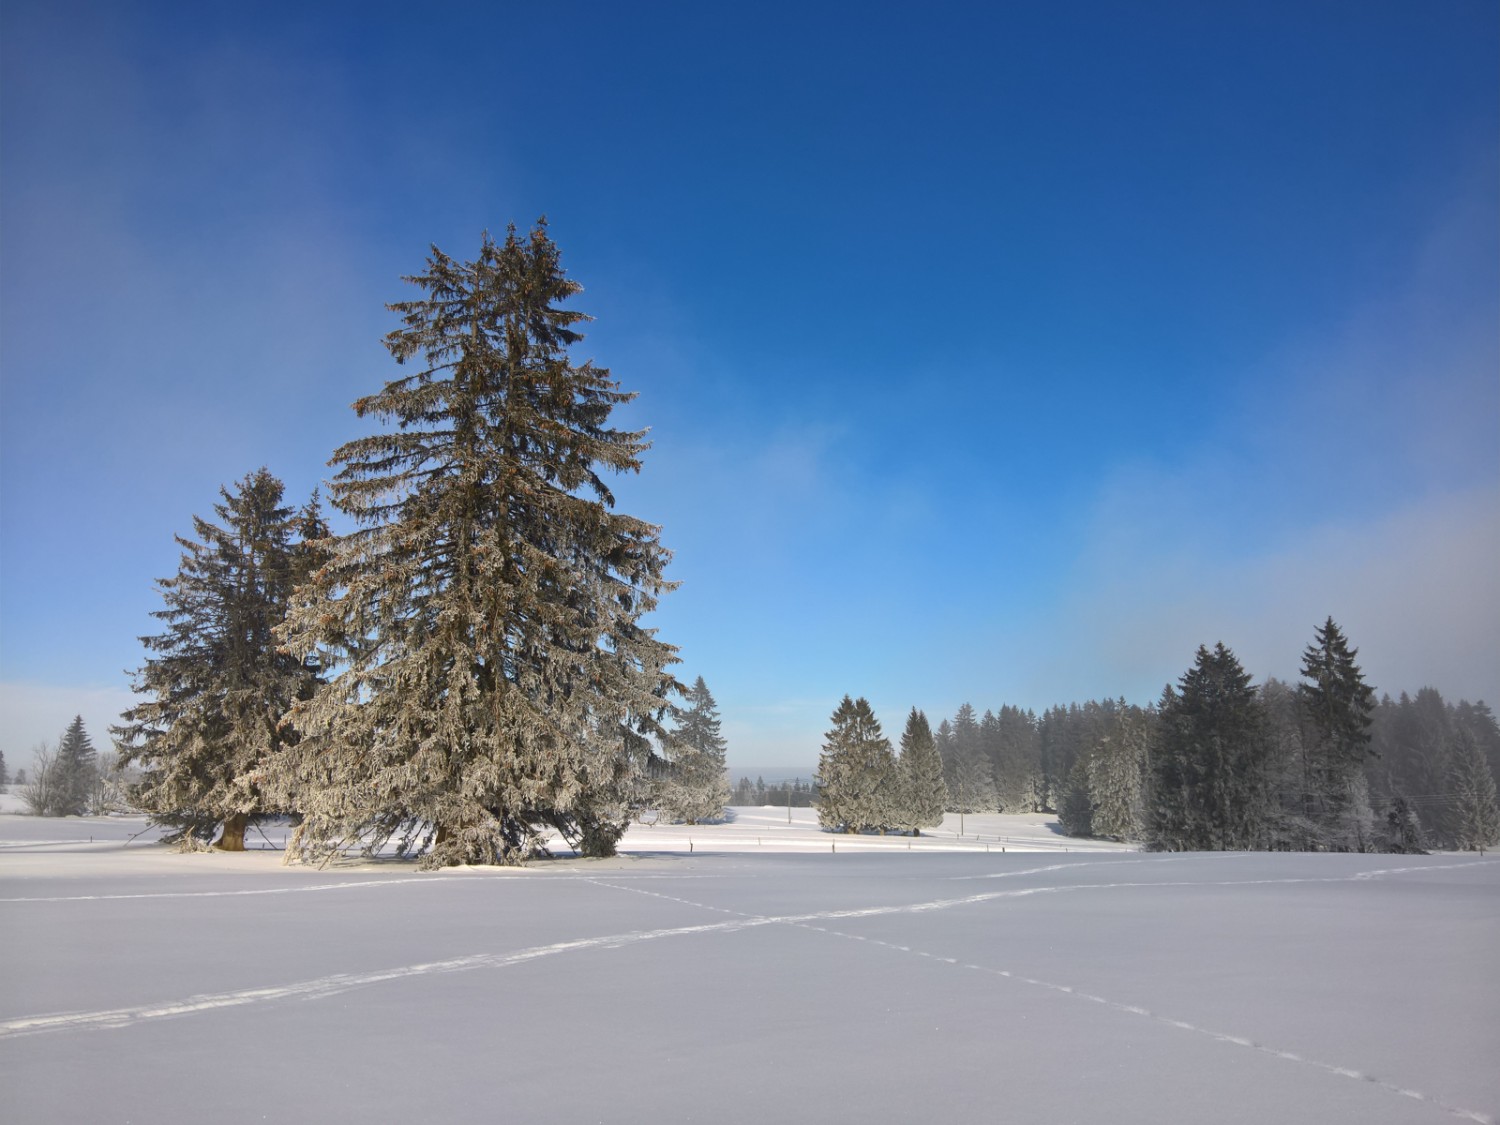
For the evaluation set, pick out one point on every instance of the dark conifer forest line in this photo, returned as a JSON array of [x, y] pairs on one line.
[[1220, 763]]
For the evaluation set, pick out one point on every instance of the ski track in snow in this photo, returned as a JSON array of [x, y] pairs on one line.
[[343, 886], [322, 987], [1177, 858], [1137, 1010], [16, 845], [1132, 1009], [1427, 867]]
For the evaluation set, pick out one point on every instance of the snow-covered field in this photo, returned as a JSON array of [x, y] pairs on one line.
[[747, 972]]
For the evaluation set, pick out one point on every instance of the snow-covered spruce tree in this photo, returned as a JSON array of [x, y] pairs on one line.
[[1210, 783], [971, 788], [74, 772], [1403, 829], [924, 794], [1075, 805], [1116, 773], [4, 772], [1018, 769], [692, 785], [857, 776], [216, 689], [491, 675], [1338, 705], [962, 744], [1476, 810]]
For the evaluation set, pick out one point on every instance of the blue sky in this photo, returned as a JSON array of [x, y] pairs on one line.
[[997, 353]]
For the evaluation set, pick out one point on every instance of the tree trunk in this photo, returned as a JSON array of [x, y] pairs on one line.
[[233, 837]]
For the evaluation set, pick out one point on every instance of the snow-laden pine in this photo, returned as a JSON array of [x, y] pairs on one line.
[[490, 677]]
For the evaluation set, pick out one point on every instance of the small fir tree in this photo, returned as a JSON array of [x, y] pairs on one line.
[[857, 771], [1065, 735], [693, 786], [1018, 773], [1476, 809], [493, 677], [971, 789], [216, 686], [1116, 772], [1404, 829], [74, 770], [960, 744], [1338, 705], [923, 792], [1209, 779], [1075, 805]]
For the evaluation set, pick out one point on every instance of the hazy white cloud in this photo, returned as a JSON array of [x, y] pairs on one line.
[[1415, 590]]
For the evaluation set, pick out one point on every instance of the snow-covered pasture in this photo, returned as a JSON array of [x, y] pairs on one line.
[[760, 976]]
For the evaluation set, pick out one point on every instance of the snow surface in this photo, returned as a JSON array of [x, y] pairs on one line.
[[760, 976], [11, 801]]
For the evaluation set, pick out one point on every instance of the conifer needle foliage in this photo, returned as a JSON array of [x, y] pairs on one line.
[[490, 675], [692, 785], [215, 687], [857, 779]]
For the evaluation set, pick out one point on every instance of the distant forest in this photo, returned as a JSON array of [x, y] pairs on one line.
[[1217, 763], [797, 793]]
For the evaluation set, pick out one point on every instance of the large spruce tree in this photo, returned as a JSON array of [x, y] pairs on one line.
[[1209, 775], [692, 785], [1338, 704], [857, 781], [216, 688], [492, 676]]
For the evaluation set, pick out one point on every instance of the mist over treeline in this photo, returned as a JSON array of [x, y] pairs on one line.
[[796, 793], [1221, 763]]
